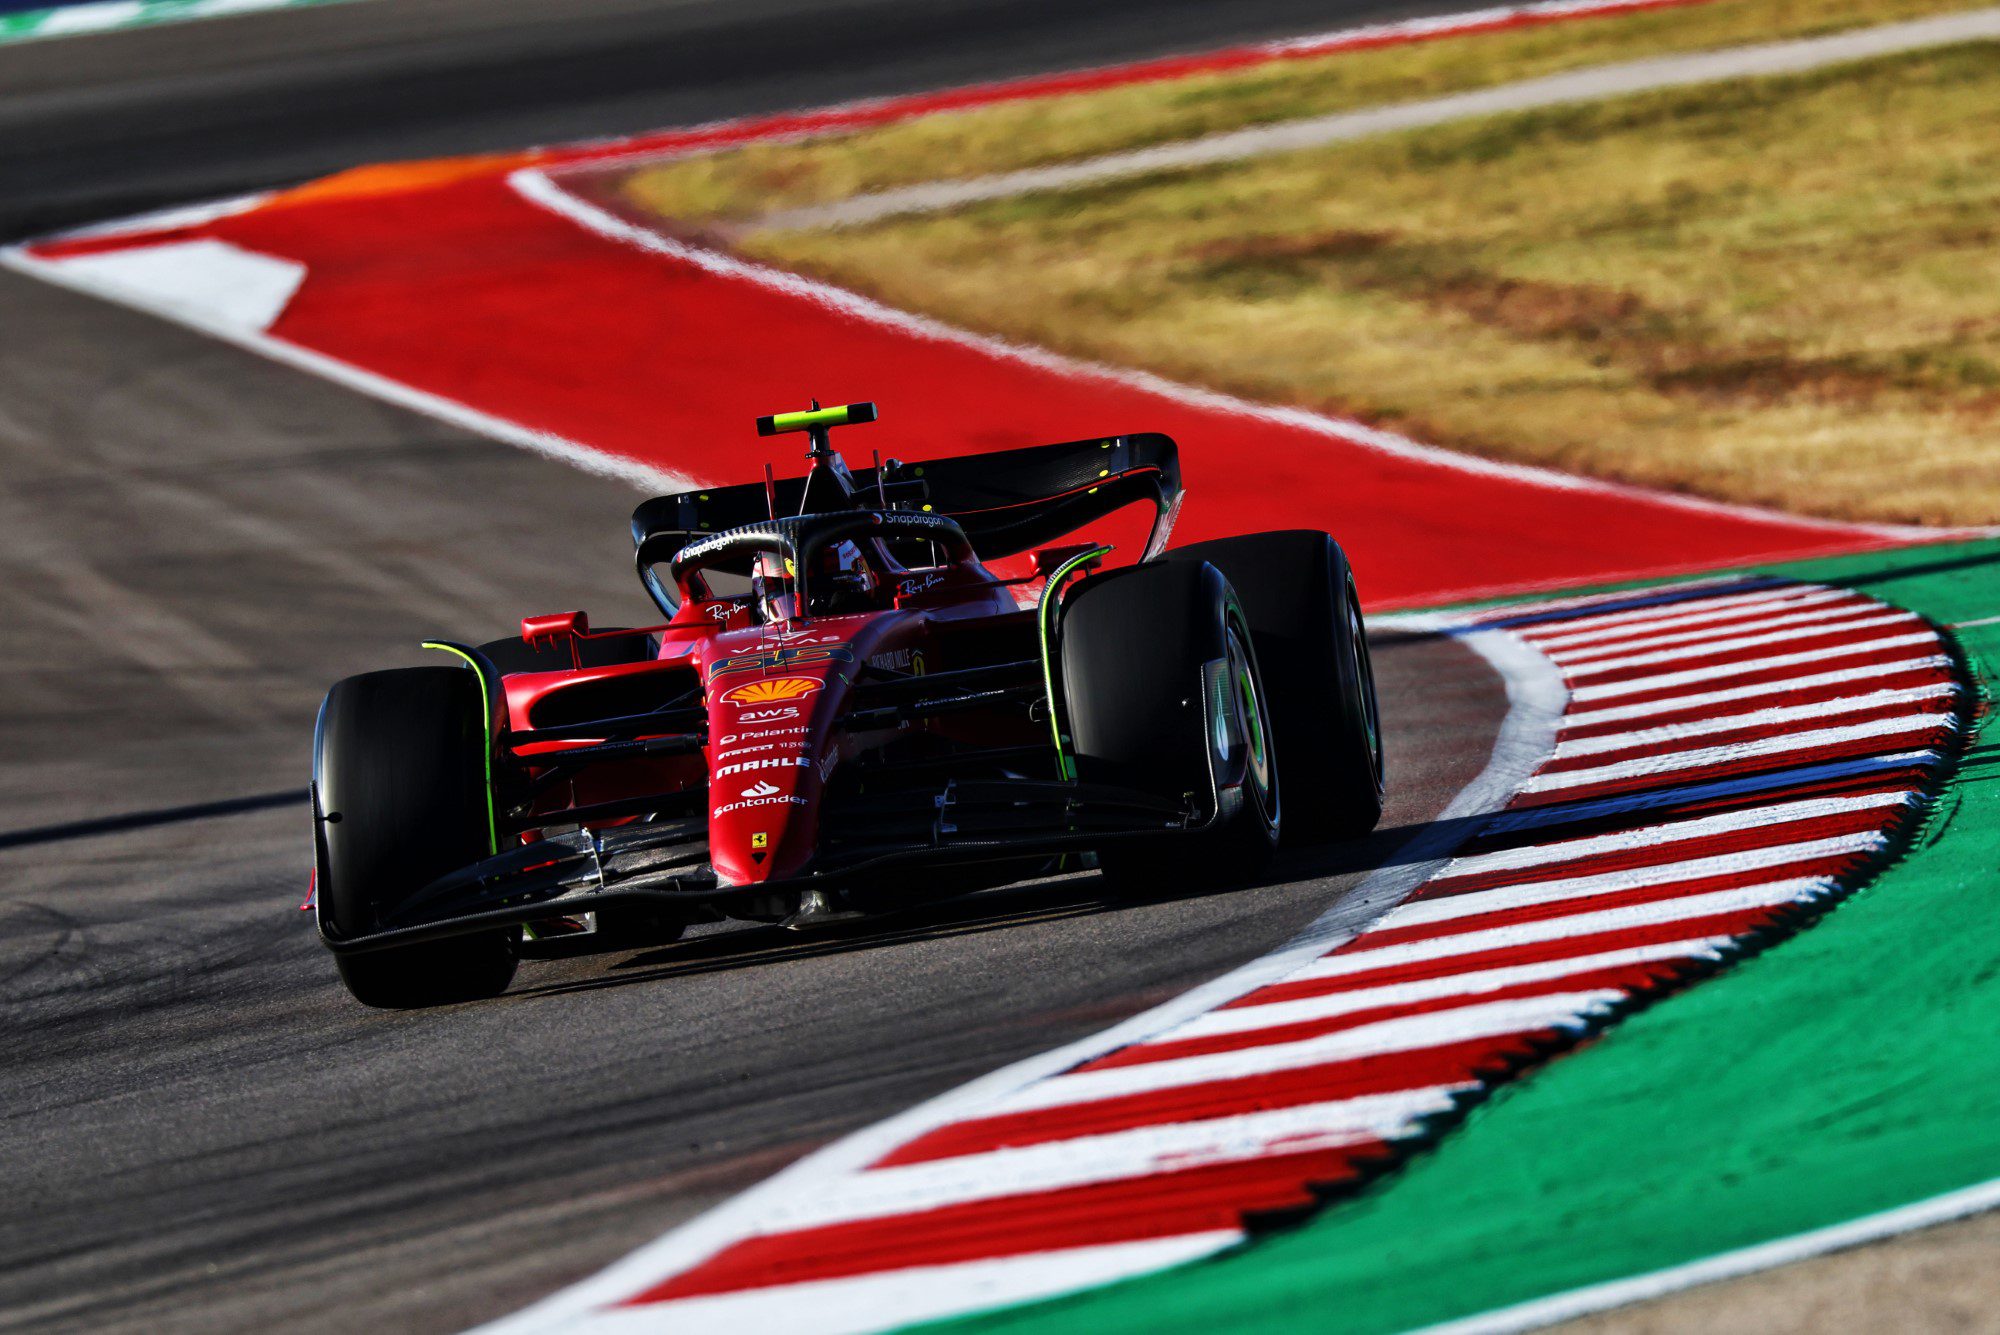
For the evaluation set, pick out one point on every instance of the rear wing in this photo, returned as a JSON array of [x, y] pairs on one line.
[[1008, 501]]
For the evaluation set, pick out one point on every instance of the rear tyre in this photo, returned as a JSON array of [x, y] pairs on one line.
[[1305, 618], [399, 799], [1163, 693]]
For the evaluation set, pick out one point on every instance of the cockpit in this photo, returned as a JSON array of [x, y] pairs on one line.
[[817, 565], [841, 582]]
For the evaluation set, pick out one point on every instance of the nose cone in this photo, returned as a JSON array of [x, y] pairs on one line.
[[774, 696], [767, 733], [763, 811]]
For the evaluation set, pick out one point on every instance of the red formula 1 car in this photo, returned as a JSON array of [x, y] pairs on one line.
[[871, 688]]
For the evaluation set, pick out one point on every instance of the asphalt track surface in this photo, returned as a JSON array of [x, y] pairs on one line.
[[198, 1130]]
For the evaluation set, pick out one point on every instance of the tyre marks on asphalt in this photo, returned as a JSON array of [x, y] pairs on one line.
[[1735, 756]]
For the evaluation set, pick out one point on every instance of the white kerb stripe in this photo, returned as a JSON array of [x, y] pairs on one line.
[[1717, 648], [883, 1299], [1757, 718], [1611, 690], [91, 17], [1143, 1151], [1683, 909], [1672, 762], [1491, 1019], [1726, 593], [1737, 609], [1675, 704], [1241, 1019], [1568, 850], [1585, 653], [1651, 799], [1651, 601], [1477, 903]]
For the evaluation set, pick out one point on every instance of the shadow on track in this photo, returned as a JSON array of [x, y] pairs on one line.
[[752, 946], [143, 820], [1078, 895]]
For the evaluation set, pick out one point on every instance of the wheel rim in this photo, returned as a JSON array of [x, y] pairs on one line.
[[1253, 724]]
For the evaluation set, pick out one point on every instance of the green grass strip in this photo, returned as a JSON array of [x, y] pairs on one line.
[[1846, 1071]]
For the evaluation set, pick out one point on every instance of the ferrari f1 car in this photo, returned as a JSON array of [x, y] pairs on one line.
[[871, 687]]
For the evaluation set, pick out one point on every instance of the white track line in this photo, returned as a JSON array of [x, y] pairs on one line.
[[1676, 704], [1585, 85], [1575, 1303], [1611, 690], [1703, 827], [539, 188], [1756, 718], [645, 476], [859, 1303], [167, 219], [1674, 762], [644, 148]]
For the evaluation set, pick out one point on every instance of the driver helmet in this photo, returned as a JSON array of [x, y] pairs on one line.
[[771, 586], [840, 580]]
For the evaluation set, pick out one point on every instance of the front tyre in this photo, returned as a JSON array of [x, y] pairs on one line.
[[1164, 693], [399, 799], [1298, 593]]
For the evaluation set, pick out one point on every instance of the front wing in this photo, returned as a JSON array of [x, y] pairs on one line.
[[665, 863]]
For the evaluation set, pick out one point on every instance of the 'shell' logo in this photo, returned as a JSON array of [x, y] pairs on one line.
[[775, 691]]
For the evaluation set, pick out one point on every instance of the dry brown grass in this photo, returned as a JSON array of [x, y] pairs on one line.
[[744, 182], [1779, 291]]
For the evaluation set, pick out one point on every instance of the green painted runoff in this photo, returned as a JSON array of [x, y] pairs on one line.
[[1845, 1071]]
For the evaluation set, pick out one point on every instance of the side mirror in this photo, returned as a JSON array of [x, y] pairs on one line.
[[554, 628], [1047, 559]]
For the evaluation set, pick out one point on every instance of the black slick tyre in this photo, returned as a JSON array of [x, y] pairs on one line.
[[1305, 616], [399, 799], [1163, 693]]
